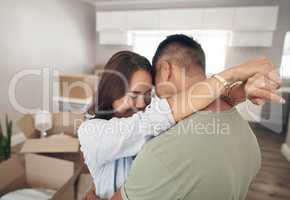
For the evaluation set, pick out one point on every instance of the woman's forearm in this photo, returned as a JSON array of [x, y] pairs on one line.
[[204, 93], [198, 96], [236, 94], [103, 141]]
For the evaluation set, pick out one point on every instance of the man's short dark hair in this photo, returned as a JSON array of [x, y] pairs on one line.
[[181, 49]]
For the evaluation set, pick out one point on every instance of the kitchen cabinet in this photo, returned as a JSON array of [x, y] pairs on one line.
[[113, 37], [218, 18], [256, 18], [181, 19], [140, 20], [251, 26], [113, 20], [251, 39]]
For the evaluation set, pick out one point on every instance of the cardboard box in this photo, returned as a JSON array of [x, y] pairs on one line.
[[84, 184], [64, 123], [53, 162], [77, 86], [32, 171]]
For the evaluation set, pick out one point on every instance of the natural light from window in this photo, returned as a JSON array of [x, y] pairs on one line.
[[214, 44], [285, 64]]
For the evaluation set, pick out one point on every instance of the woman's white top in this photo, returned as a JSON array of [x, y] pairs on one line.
[[109, 146]]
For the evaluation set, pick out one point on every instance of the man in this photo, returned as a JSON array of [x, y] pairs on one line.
[[210, 155]]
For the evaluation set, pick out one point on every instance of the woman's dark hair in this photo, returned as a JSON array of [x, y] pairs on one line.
[[113, 83]]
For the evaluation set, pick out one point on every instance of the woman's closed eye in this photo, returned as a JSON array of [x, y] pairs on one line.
[[136, 94], [133, 94]]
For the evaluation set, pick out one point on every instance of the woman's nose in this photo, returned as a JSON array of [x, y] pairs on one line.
[[140, 103]]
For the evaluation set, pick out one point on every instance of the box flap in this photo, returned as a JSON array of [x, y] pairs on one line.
[[62, 122], [26, 125], [65, 191], [11, 172], [66, 122], [53, 144], [80, 86], [42, 171]]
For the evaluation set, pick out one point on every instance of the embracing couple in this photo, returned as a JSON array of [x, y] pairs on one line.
[[182, 140]]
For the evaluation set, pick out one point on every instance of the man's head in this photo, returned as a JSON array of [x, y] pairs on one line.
[[179, 61]]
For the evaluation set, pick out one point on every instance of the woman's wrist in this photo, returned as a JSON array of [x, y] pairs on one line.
[[228, 75]]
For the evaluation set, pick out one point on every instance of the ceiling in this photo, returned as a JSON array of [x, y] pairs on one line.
[[151, 4]]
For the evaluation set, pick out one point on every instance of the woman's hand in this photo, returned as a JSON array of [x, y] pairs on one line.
[[250, 68], [260, 88], [91, 195], [257, 89], [261, 80]]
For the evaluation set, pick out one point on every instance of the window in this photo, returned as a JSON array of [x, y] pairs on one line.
[[285, 64], [214, 44]]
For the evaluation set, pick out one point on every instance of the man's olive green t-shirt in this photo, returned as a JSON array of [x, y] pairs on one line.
[[207, 156]]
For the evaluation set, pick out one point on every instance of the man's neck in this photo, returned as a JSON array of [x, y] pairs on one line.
[[194, 79]]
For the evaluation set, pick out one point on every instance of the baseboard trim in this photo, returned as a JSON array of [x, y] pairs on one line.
[[17, 139], [285, 150]]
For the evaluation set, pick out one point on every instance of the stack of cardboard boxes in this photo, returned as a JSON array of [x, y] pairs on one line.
[[53, 162]]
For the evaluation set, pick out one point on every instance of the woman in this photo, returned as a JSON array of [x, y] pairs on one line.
[[111, 140]]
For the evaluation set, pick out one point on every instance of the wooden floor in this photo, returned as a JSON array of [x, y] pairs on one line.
[[273, 180]]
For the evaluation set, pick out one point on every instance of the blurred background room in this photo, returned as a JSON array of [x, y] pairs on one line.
[[51, 52]]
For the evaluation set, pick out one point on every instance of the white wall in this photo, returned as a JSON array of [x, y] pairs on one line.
[[43, 33]]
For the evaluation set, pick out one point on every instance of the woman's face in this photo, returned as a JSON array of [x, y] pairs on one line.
[[138, 95]]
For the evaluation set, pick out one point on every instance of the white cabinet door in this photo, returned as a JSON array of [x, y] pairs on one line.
[[113, 38], [218, 18], [251, 39], [256, 18], [181, 19], [114, 20], [140, 20]]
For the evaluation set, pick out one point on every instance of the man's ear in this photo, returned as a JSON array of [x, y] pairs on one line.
[[165, 70]]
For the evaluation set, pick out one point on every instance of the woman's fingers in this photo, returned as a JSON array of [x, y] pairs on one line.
[[270, 71], [252, 67], [260, 81], [90, 195], [263, 82], [257, 101], [260, 88], [267, 95], [275, 77]]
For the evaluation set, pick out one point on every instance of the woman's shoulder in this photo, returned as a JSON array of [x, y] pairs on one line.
[[90, 126]]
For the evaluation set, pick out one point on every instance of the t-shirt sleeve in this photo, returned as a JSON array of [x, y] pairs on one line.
[[148, 179]]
